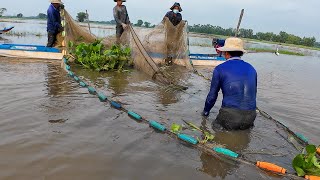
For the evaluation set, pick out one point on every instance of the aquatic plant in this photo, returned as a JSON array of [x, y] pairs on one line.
[[94, 56], [24, 33], [176, 128], [307, 164]]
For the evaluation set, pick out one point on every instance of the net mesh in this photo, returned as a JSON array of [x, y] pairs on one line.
[[150, 47]]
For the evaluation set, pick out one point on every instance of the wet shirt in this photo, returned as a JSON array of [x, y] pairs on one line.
[[174, 18], [120, 15], [238, 81], [54, 19]]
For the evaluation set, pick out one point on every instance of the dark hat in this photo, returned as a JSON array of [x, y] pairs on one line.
[[117, 0], [176, 4]]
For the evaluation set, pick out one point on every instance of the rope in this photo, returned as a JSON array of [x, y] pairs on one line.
[[191, 63], [201, 147], [301, 139], [148, 58], [144, 53]]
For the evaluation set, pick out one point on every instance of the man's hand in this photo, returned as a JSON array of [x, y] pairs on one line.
[[204, 113], [124, 26]]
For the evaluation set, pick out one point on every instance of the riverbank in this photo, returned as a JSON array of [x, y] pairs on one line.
[[261, 50], [23, 28], [203, 35]]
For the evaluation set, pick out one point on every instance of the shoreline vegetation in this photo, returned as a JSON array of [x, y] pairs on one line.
[[251, 40], [265, 50], [193, 34]]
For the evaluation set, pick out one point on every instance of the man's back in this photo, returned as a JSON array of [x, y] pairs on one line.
[[238, 82]]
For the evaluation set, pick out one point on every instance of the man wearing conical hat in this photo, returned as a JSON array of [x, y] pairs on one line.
[[238, 81], [174, 15], [121, 17], [54, 22]]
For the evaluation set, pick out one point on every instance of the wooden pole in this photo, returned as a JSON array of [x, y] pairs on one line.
[[239, 23], [88, 21]]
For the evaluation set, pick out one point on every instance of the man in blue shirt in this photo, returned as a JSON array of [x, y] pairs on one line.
[[174, 15], [54, 22], [238, 81], [216, 43]]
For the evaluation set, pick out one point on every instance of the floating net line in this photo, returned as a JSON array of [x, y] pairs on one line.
[[150, 47]]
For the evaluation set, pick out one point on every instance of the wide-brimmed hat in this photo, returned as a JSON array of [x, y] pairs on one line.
[[233, 44], [176, 4], [56, 1], [117, 0]]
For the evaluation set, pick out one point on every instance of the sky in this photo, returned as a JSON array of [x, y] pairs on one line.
[[292, 16]]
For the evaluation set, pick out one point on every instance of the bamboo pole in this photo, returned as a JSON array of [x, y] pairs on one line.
[[239, 23], [88, 21]]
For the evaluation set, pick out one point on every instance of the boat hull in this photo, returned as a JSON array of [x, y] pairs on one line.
[[206, 59], [30, 51], [197, 59]]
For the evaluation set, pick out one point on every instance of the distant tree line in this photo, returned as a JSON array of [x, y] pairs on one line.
[[282, 37], [145, 24]]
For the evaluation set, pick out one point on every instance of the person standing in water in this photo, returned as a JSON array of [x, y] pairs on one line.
[[174, 15], [217, 43], [54, 26], [121, 17], [238, 81]]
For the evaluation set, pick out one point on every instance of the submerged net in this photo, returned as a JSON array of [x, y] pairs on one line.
[[150, 47]]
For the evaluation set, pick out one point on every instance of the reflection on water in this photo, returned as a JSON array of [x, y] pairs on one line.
[[55, 123], [118, 82], [49, 125], [55, 78]]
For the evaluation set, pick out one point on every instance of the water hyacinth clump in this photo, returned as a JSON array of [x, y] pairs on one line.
[[96, 57]]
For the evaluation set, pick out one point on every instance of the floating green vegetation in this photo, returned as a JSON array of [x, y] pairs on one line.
[[94, 56], [307, 164], [23, 34], [272, 51]]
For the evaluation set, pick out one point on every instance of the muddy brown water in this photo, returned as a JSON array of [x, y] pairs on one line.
[[52, 129]]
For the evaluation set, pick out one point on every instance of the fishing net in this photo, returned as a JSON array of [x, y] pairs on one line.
[[76, 33], [150, 47]]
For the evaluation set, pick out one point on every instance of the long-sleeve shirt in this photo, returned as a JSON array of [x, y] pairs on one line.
[[54, 19], [220, 43], [238, 82], [120, 15], [174, 18]]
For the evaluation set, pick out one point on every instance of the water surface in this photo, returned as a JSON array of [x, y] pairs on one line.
[[53, 129]]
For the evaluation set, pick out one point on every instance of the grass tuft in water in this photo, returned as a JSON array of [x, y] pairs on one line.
[[272, 51]]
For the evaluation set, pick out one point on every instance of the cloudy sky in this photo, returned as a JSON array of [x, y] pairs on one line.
[[293, 16]]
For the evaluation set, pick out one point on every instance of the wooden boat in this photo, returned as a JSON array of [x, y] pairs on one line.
[[6, 30], [206, 59], [30, 51], [197, 59], [42, 52]]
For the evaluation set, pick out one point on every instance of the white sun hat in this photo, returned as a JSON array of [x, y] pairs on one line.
[[233, 44]]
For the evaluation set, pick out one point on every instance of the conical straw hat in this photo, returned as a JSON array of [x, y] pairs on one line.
[[233, 44]]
